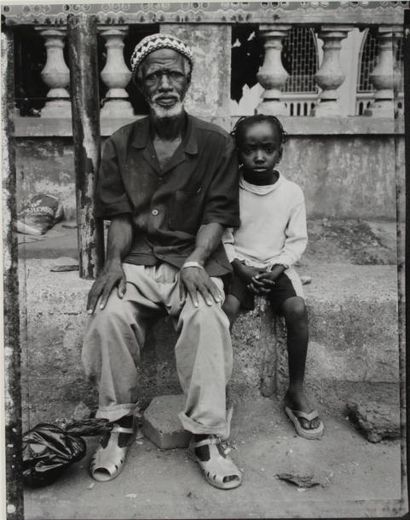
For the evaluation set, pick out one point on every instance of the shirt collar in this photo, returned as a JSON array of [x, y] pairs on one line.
[[142, 135]]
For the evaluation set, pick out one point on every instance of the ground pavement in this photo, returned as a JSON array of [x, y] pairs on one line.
[[358, 478], [355, 478]]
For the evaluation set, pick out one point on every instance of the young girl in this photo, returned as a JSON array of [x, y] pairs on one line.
[[271, 238]]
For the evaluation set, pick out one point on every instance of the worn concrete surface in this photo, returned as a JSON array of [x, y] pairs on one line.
[[353, 336], [352, 312], [352, 308], [364, 478]]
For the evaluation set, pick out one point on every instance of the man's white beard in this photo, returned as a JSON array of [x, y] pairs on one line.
[[166, 112]]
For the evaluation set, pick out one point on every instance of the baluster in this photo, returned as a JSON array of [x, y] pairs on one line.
[[272, 75], [116, 74], [398, 73], [55, 74], [330, 76], [397, 66], [382, 76]]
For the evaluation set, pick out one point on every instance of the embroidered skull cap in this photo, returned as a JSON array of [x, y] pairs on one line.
[[154, 42]]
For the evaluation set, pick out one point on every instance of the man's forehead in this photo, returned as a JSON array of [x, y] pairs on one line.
[[163, 57]]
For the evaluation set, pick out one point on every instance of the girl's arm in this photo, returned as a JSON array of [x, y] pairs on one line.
[[296, 236]]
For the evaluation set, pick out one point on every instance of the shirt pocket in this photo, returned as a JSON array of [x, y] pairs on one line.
[[186, 210]]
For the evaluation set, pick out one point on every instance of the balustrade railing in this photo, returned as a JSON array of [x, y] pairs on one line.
[[272, 76]]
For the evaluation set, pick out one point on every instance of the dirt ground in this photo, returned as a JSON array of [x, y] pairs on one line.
[[351, 241], [357, 478]]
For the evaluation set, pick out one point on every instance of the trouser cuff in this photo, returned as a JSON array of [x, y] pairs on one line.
[[113, 413], [200, 429]]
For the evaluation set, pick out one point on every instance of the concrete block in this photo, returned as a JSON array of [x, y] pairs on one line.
[[161, 424], [375, 420]]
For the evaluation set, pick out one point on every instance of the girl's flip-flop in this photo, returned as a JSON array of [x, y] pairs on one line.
[[311, 434]]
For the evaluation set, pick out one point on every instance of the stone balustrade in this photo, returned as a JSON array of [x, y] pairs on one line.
[[330, 75], [55, 74], [272, 75], [116, 75], [335, 28]]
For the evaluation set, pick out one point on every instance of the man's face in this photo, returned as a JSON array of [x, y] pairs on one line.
[[164, 82]]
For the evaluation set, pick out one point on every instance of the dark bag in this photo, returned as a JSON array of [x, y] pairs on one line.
[[47, 452]]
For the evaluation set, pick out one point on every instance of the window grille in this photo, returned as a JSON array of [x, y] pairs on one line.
[[300, 59], [368, 60]]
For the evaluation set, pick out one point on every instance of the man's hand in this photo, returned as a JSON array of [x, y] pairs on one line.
[[111, 276], [193, 280]]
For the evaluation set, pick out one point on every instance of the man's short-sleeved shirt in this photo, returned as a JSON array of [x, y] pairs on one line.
[[198, 185]]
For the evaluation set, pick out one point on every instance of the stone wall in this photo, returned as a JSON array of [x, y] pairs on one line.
[[343, 175]]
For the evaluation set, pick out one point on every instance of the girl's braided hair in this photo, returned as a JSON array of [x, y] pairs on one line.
[[238, 132]]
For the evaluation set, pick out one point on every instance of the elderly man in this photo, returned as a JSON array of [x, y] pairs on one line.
[[168, 183]]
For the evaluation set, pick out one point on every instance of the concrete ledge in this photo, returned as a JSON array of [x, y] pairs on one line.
[[353, 329], [352, 125]]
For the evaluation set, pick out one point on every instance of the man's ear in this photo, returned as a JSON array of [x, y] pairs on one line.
[[188, 80]]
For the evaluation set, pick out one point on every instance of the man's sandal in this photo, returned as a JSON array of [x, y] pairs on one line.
[[109, 458], [219, 470], [306, 433]]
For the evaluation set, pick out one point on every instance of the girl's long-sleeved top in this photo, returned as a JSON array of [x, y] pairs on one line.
[[273, 227]]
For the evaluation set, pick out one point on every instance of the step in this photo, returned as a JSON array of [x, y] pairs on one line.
[[353, 337]]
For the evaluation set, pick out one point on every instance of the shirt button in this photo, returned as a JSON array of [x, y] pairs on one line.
[[155, 212]]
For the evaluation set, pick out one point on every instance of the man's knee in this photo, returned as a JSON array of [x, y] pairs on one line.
[[116, 309], [203, 312], [294, 309]]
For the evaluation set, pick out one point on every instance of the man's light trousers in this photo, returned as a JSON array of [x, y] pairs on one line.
[[116, 334]]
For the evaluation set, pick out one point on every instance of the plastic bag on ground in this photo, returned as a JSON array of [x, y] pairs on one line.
[[47, 452]]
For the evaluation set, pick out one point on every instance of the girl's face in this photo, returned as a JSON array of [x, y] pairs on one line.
[[261, 149]]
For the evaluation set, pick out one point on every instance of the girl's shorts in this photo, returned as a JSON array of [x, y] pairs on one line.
[[282, 290]]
